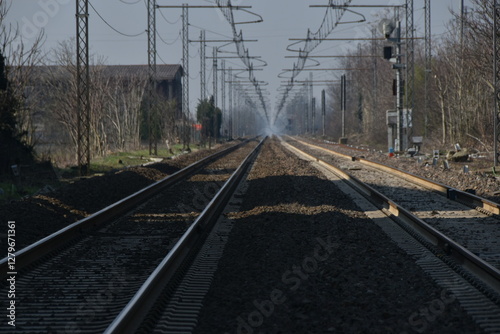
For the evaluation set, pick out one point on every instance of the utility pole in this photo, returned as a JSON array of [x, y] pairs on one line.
[[151, 71], [223, 87], [215, 92], [185, 65], [496, 79], [428, 61], [83, 86], [230, 75], [323, 109], [203, 66], [215, 76], [399, 90], [343, 99], [311, 96], [375, 74], [313, 127], [410, 72], [462, 21]]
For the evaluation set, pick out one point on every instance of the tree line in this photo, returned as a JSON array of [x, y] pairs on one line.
[[460, 87]]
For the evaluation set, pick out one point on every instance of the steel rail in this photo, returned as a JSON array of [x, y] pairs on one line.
[[482, 269], [463, 197], [37, 250], [132, 315]]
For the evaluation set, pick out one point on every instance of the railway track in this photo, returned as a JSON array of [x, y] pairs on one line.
[[461, 229], [469, 220], [80, 278]]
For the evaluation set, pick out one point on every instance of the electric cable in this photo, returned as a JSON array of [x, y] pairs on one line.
[[169, 43], [130, 3], [165, 18], [110, 26]]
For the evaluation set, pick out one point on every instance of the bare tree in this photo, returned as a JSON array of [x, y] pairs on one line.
[[21, 60], [59, 86], [124, 114]]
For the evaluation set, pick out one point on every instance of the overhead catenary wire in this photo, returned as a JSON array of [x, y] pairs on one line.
[[211, 31], [130, 3], [166, 20], [227, 11], [113, 28], [331, 20], [169, 43]]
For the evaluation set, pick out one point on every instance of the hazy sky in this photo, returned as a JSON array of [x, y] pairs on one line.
[[283, 19]]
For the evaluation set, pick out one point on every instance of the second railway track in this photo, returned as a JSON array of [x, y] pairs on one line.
[[83, 286], [473, 228]]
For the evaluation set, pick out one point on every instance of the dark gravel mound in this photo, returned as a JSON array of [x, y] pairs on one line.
[[41, 215]]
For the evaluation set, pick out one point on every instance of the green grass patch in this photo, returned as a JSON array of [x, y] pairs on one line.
[[120, 160], [9, 191]]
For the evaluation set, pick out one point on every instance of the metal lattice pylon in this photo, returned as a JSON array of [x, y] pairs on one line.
[[203, 66], [151, 72], [215, 76], [223, 86], [185, 65], [230, 111], [375, 69], [428, 60], [83, 86], [410, 65], [496, 79]]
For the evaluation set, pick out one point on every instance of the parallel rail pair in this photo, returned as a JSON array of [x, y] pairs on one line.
[[484, 270], [129, 319]]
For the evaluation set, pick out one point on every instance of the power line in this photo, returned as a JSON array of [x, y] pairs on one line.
[[168, 43], [110, 26], [163, 61], [130, 3], [213, 32], [161, 13], [331, 20]]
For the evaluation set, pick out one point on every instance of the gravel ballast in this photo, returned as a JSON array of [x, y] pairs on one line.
[[43, 214], [478, 177], [302, 258]]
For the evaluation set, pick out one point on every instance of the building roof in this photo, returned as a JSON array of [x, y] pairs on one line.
[[163, 72]]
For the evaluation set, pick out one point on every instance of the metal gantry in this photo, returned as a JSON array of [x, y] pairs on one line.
[[151, 72], [83, 86], [496, 79], [185, 78]]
